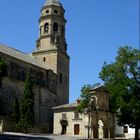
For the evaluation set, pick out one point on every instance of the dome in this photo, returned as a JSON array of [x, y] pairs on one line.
[[52, 2]]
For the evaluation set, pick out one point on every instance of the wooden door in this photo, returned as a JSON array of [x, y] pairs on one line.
[[76, 129]]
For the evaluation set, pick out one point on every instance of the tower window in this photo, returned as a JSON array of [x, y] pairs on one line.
[[60, 78], [44, 59], [55, 27], [46, 28], [40, 30], [62, 30], [55, 11], [47, 11]]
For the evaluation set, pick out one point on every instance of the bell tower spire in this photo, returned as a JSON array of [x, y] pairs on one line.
[[51, 46], [52, 27]]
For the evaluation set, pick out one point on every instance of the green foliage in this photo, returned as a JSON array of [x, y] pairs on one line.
[[122, 80], [85, 96], [16, 112], [27, 106]]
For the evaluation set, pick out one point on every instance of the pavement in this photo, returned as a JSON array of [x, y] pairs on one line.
[[21, 136]]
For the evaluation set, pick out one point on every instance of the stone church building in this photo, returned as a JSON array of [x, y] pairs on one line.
[[94, 123], [48, 65]]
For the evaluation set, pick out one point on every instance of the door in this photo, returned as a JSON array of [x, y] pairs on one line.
[[76, 129], [64, 129]]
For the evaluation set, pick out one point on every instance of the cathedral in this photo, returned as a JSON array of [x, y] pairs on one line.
[[48, 66]]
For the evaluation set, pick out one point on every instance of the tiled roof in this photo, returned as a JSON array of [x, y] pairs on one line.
[[98, 87], [71, 105], [28, 58], [52, 2]]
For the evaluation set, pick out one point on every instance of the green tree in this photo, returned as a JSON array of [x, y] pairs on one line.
[[27, 106], [16, 110], [85, 96], [85, 104], [3, 70], [122, 80]]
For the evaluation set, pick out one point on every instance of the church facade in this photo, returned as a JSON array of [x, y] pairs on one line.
[[48, 66], [92, 123]]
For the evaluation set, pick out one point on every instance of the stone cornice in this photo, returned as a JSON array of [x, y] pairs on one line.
[[50, 51], [44, 51], [51, 16], [50, 6]]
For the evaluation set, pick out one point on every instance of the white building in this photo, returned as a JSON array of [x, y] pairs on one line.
[[101, 125], [125, 131]]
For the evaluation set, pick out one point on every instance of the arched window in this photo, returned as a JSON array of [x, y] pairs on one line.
[[47, 11], [55, 27], [46, 28], [62, 30], [44, 59]]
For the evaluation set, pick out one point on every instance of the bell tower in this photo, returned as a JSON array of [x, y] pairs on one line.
[[51, 46]]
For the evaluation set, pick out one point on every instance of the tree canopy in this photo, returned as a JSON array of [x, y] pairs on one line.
[[27, 105], [85, 96], [122, 80], [16, 112]]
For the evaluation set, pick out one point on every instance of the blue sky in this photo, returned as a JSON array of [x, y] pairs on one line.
[[95, 30]]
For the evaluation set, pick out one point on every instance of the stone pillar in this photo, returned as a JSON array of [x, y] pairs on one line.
[[100, 129], [1, 127]]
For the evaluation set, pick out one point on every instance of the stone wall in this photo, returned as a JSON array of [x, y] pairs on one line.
[[71, 122], [44, 88], [82, 121]]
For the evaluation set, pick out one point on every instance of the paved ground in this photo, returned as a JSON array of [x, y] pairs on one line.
[[57, 137], [19, 136]]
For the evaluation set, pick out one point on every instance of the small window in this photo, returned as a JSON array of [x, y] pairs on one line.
[[64, 116], [76, 115], [55, 27], [47, 11], [60, 78], [44, 59], [55, 11], [40, 30], [62, 30], [46, 28], [125, 129]]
